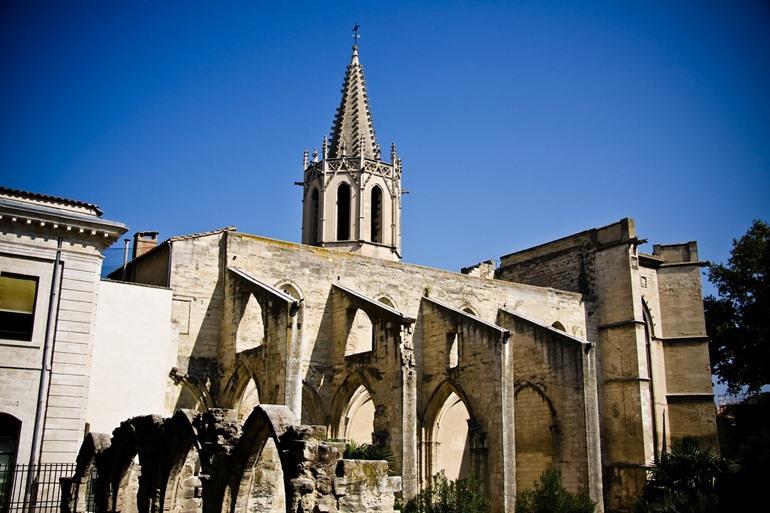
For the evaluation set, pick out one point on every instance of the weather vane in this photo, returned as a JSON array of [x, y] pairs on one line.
[[356, 35]]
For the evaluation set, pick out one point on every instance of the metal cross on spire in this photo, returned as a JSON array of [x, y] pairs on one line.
[[356, 35]]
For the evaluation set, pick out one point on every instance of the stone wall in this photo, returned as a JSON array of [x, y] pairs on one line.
[[646, 314], [302, 361], [209, 462]]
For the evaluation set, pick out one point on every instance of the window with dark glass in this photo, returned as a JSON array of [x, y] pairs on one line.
[[17, 306]]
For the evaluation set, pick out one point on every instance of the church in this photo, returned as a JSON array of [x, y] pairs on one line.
[[582, 355]]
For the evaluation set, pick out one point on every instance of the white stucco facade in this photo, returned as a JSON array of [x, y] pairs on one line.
[[133, 352]]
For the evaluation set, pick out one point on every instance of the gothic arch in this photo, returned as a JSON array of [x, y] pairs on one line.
[[648, 317], [192, 395], [537, 434], [313, 411], [343, 211], [375, 218], [353, 394], [387, 300], [242, 388], [291, 288], [122, 476], [182, 489], [443, 426], [257, 481]]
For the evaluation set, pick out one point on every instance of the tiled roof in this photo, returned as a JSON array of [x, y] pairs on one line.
[[47, 197]]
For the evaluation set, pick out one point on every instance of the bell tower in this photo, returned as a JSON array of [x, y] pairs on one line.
[[351, 198]]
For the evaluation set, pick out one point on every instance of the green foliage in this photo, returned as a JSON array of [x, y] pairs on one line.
[[744, 437], [683, 481], [738, 321], [446, 496], [354, 451], [549, 496]]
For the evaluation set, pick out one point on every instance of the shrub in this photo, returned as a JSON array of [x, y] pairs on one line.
[[354, 451], [549, 496], [683, 481], [446, 496]]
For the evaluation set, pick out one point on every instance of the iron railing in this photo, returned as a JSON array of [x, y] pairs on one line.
[[32, 489]]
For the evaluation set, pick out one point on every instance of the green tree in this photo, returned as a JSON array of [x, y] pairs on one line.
[[683, 481], [549, 496], [738, 320]]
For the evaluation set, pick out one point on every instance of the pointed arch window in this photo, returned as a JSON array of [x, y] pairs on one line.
[[314, 204], [376, 216], [343, 212]]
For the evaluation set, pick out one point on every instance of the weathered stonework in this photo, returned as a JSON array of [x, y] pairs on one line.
[[208, 462], [581, 355], [302, 306], [646, 314]]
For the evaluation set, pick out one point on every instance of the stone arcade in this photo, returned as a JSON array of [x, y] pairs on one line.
[[582, 355]]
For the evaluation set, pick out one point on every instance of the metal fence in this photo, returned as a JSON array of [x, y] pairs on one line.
[[32, 489]]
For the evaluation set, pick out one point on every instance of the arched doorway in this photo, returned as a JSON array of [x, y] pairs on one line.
[[10, 428]]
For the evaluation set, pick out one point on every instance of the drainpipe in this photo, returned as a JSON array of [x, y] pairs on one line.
[[45, 368]]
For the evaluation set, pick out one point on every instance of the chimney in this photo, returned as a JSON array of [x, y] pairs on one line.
[[144, 242]]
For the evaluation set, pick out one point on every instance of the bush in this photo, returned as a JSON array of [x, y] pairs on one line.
[[353, 451], [549, 496], [446, 496]]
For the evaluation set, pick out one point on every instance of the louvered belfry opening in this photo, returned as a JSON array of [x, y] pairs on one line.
[[376, 215], [314, 206], [343, 212]]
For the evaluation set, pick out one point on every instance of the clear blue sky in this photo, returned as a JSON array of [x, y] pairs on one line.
[[518, 122]]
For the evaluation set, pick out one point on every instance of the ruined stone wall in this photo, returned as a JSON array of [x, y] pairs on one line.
[[392, 371], [482, 379], [209, 463]]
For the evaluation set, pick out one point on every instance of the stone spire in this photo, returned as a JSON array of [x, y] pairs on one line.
[[353, 130]]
